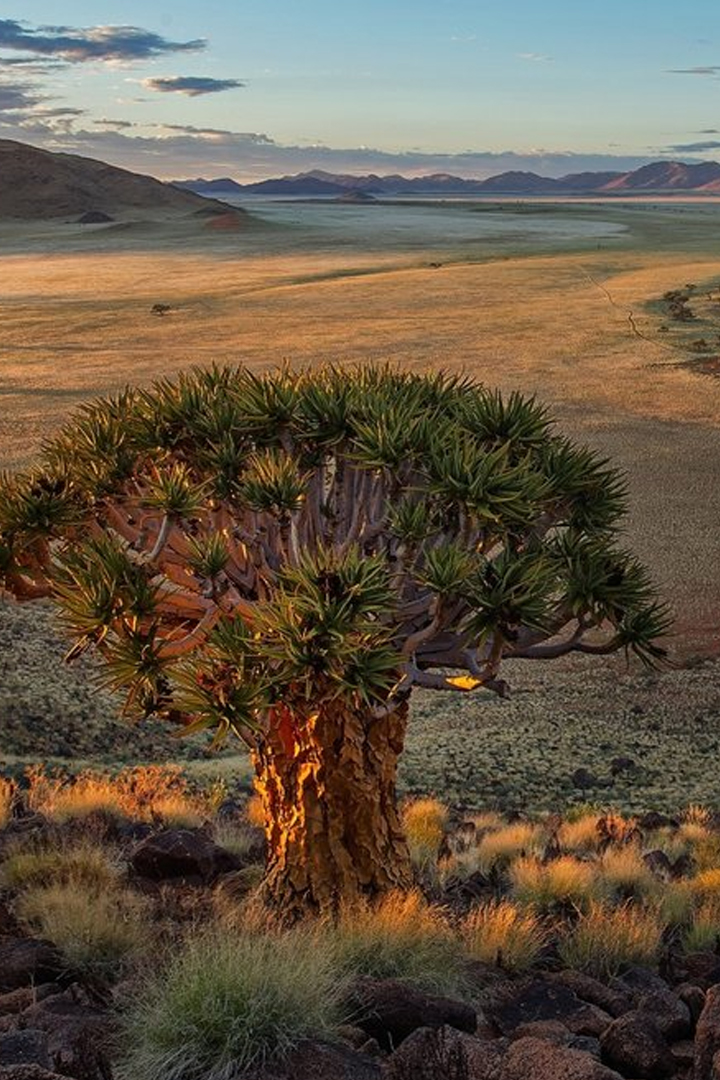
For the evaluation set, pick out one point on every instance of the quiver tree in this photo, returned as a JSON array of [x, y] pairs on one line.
[[283, 558]]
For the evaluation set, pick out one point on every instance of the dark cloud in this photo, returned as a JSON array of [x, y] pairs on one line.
[[708, 69], [191, 85], [18, 96], [189, 129], [117, 125], [695, 148], [29, 65], [77, 45], [709, 131]]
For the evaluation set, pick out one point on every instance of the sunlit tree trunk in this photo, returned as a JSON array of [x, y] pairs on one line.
[[327, 782]]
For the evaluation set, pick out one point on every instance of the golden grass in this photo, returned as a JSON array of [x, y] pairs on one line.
[[501, 846], [703, 933], [503, 933], [581, 834], [7, 795], [607, 937], [83, 865], [566, 880], [424, 821], [146, 793], [623, 872]]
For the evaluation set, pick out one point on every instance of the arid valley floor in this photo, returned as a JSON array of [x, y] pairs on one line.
[[577, 321]]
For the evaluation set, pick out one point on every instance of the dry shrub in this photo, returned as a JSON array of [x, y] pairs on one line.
[[706, 884], [607, 937], [424, 821], [565, 880], [502, 933], [143, 793], [7, 797], [97, 931], [401, 937]]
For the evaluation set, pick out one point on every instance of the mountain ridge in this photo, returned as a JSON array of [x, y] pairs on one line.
[[661, 177]]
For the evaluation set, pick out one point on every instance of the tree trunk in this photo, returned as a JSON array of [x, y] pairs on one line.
[[327, 782]]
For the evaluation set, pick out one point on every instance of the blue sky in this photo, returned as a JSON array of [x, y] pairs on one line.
[[266, 87]]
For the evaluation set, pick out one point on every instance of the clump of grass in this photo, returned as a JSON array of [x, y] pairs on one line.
[[703, 933], [606, 938], [83, 865], [500, 846], [624, 874], [97, 931], [502, 933], [7, 797], [145, 793], [565, 880], [580, 834], [675, 903], [401, 937], [226, 1005], [706, 884], [424, 821], [234, 836]]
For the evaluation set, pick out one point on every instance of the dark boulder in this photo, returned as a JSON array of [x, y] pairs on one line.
[[543, 999], [27, 1047], [27, 961], [181, 853], [94, 217], [389, 1010], [636, 1047], [534, 1059], [315, 1060], [671, 1014], [707, 1035], [434, 1053]]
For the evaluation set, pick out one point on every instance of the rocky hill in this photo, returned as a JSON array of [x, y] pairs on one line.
[[38, 184]]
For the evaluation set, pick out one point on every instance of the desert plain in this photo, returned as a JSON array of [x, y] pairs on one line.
[[560, 300]]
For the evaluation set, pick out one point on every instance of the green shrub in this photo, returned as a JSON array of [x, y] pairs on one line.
[[224, 1005]]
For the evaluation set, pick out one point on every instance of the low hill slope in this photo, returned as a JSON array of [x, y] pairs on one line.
[[37, 184]]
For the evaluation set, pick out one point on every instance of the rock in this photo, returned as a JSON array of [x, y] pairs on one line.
[[659, 865], [78, 1033], [27, 961], [315, 1060], [181, 853], [620, 765], [636, 1047], [636, 981], [694, 998], [584, 779], [27, 1047], [94, 217], [534, 1059], [588, 1044], [707, 1035], [433, 1053], [614, 1002], [715, 1075], [684, 1053], [670, 1014], [15, 1001], [542, 999], [701, 968], [653, 820], [551, 1030], [389, 1010]]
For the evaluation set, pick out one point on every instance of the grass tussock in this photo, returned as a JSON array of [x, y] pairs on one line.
[[98, 932], [505, 934], [624, 874], [157, 793], [225, 1005], [7, 797], [425, 822], [607, 937], [402, 937], [703, 932], [84, 866], [500, 846], [562, 881], [581, 834]]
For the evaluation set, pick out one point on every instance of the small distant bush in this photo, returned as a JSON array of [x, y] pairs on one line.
[[565, 880], [606, 938], [224, 1005], [425, 821], [580, 833], [83, 865], [402, 937], [504, 934], [97, 932]]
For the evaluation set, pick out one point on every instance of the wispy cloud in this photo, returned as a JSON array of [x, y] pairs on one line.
[[695, 148], [191, 85], [534, 58], [708, 70], [115, 125], [77, 45]]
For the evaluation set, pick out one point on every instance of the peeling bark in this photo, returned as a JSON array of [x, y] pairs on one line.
[[327, 782]]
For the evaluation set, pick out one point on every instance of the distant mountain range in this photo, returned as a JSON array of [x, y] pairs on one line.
[[38, 184], [662, 177]]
